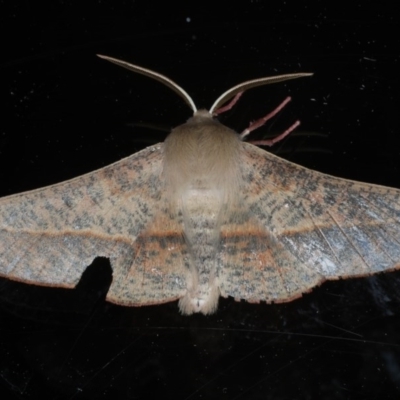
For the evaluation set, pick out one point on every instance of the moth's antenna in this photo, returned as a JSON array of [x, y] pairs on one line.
[[155, 75], [253, 83]]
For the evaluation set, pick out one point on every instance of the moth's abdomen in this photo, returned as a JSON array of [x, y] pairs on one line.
[[202, 212]]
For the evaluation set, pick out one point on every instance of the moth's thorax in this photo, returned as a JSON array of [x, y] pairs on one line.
[[202, 154]]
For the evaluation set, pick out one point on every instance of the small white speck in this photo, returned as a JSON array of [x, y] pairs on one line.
[[156, 271], [188, 19]]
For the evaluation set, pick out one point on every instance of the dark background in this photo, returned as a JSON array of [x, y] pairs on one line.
[[65, 112]]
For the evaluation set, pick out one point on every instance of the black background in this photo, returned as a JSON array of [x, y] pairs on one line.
[[65, 112]]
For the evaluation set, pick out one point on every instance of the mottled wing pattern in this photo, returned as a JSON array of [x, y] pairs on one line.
[[50, 235], [299, 227]]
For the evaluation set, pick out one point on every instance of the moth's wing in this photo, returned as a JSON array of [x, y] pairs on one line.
[[50, 235], [296, 228]]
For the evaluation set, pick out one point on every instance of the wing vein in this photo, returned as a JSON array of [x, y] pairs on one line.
[[324, 237], [349, 240]]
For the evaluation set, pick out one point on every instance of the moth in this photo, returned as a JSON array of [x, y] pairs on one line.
[[202, 215]]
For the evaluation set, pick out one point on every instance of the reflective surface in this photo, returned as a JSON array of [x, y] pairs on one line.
[[66, 112]]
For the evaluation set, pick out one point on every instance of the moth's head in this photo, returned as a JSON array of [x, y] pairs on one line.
[[201, 115]]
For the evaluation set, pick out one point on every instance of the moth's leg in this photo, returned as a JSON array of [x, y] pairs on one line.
[[260, 122], [271, 142], [229, 105]]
